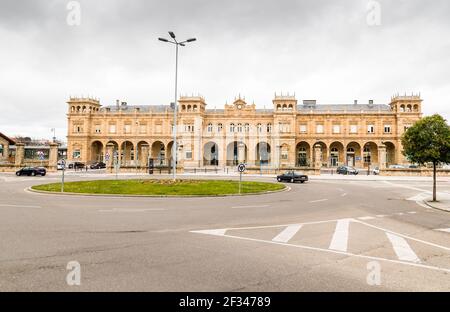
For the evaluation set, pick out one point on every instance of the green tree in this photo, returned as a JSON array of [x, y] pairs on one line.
[[428, 141]]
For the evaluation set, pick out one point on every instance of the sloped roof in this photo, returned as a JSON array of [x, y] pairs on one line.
[[11, 141], [345, 107]]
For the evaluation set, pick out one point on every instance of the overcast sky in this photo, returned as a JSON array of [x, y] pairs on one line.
[[324, 50]]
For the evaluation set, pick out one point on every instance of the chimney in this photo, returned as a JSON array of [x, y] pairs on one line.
[[117, 104], [370, 102]]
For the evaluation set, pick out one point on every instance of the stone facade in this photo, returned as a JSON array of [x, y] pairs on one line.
[[286, 135], [5, 143]]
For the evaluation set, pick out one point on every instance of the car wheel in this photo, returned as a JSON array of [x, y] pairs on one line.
[[18, 174], [33, 173], [302, 182], [43, 174], [279, 179], [292, 180]]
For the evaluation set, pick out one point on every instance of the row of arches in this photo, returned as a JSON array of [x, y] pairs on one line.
[[331, 155], [409, 108], [83, 109]]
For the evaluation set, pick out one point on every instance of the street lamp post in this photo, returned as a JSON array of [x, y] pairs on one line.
[[176, 43]]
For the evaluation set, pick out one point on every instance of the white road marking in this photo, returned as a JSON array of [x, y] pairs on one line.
[[254, 206], [366, 218], [217, 232], [443, 230], [413, 264], [343, 195], [404, 236], [402, 248], [400, 214], [131, 210], [286, 235], [19, 206], [412, 212], [318, 201], [340, 236], [381, 216]]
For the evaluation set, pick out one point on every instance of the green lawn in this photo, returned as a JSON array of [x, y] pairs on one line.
[[161, 187]]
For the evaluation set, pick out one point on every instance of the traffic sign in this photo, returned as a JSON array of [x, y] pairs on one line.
[[241, 167]]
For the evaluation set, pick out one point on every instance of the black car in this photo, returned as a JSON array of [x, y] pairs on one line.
[[293, 177], [32, 171], [76, 165], [347, 170], [98, 165]]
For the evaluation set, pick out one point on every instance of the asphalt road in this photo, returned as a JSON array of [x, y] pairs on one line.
[[319, 236]]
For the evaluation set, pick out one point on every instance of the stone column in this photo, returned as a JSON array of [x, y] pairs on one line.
[[241, 151], [20, 154], [145, 148], [53, 157], [317, 156], [6, 152], [382, 156]]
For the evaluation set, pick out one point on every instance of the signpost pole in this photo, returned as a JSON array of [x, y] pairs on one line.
[[241, 168], [62, 178], [240, 181]]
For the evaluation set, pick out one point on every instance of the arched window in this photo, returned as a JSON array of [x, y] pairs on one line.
[[259, 128], [269, 127], [232, 127], [408, 108], [416, 108], [239, 127], [195, 108], [247, 127], [290, 107], [278, 107], [350, 150], [402, 108], [210, 127], [219, 127]]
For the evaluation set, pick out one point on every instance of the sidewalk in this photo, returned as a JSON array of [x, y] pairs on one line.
[[332, 177], [443, 202]]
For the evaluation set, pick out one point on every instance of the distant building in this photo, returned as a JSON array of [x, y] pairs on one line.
[[288, 135]]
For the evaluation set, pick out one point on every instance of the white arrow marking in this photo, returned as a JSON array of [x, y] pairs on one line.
[[443, 230]]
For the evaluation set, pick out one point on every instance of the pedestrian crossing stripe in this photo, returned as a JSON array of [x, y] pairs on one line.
[[399, 242]]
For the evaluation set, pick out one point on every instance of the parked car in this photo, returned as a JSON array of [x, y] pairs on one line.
[[414, 166], [98, 165], [397, 167], [76, 165], [347, 170], [31, 171], [293, 177], [376, 171]]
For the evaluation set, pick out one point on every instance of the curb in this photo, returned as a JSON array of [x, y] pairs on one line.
[[29, 189], [433, 207]]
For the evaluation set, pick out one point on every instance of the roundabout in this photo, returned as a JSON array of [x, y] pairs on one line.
[[161, 187], [319, 235]]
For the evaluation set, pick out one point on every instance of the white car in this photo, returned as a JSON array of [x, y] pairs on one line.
[[376, 171]]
